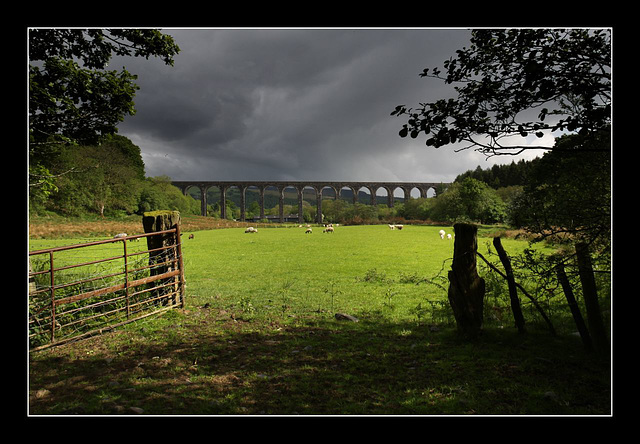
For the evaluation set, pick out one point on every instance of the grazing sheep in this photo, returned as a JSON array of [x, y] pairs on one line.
[[393, 227], [399, 227], [308, 231], [442, 233], [328, 230], [251, 230], [449, 236], [120, 235]]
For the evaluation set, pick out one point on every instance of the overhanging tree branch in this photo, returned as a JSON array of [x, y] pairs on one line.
[[507, 72]]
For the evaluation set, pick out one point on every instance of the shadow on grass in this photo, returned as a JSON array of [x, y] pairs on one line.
[[201, 362]]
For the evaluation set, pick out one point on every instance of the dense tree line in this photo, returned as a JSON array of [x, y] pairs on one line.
[[75, 101], [500, 176], [106, 179], [77, 163]]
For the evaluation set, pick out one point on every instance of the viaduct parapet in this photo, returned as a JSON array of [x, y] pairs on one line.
[[318, 187]]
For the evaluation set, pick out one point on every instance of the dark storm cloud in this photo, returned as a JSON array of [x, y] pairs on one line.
[[305, 104]]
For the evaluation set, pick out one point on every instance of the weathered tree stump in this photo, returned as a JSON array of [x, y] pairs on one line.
[[161, 258], [466, 287]]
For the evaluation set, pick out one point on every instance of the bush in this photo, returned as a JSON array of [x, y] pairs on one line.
[[159, 194], [469, 201]]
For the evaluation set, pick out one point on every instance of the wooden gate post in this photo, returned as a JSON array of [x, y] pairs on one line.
[[466, 287], [163, 259]]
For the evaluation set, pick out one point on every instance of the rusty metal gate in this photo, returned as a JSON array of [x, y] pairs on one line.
[[71, 297]]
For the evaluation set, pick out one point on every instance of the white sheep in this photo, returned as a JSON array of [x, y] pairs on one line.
[[442, 233], [329, 229], [449, 236], [399, 227], [308, 231], [251, 230], [393, 227], [123, 235]]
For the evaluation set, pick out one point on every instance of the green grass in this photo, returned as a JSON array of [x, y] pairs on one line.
[[358, 270], [304, 271], [258, 336]]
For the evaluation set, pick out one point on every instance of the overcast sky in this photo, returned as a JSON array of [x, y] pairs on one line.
[[293, 104]]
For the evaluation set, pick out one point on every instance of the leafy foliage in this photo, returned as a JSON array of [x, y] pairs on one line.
[[505, 75], [569, 192], [107, 179], [73, 99], [80, 103], [469, 200], [500, 176], [157, 193]]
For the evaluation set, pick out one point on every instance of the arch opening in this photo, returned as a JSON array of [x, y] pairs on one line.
[[415, 193], [309, 204], [213, 194], [328, 192], [348, 194], [271, 199], [234, 203], [254, 209]]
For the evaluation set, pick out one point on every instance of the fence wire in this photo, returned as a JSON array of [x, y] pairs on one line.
[[82, 289]]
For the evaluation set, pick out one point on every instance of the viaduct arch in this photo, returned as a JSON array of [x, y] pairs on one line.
[[355, 187]]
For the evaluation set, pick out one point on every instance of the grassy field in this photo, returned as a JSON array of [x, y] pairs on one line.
[[258, 336], [354, 270], [286, 273]]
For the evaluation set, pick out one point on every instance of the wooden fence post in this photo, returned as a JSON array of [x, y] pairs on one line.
[[573, 306], [589, 292], [164, 259], [511, 283], [524, 292], [466, 287]]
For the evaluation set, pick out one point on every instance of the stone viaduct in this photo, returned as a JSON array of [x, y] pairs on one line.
[[318, 187]]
